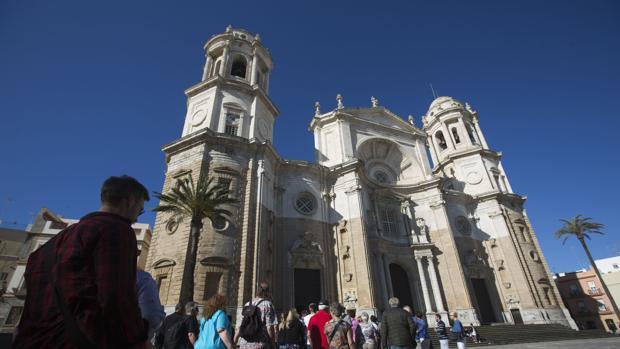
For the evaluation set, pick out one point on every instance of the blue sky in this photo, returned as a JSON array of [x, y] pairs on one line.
[[92, 89]]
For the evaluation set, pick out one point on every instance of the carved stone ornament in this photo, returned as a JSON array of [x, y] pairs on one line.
[[348, 277], [410, 120], [507, 284], [317, 108], [306, 243]]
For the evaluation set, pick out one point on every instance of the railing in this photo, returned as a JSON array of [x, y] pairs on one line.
[[595, 292]]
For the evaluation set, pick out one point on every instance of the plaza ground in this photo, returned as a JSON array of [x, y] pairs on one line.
[[598, 343]]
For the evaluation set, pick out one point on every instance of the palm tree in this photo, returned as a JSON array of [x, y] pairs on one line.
[[194, 202], [581, 227]]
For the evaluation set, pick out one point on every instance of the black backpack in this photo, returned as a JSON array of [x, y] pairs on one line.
[[252, 324], [176, 335]]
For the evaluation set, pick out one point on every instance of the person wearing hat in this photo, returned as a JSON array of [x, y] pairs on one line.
[[316, 326]]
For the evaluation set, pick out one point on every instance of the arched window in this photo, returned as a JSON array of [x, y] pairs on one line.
[[441, 140], [238, 67], [455, 134]]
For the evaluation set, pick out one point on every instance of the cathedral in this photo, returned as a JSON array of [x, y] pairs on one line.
[[373, 217]]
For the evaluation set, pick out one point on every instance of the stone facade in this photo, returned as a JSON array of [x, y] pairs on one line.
[[372, 218]]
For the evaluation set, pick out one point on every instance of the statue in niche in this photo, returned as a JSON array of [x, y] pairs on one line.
[[306, 243], [421, 223]]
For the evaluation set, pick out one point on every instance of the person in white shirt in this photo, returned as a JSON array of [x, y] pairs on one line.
[[312, 308]]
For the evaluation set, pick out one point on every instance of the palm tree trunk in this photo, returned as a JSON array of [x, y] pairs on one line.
[[187, 282], [598, 275]]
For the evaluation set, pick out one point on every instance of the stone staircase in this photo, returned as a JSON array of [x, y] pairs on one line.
[[511, 334]]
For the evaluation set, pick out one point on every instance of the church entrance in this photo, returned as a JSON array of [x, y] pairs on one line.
[[400, 285], [307, 287], [487, 314]]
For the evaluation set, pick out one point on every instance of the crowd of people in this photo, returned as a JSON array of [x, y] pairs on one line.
[[85, 291]]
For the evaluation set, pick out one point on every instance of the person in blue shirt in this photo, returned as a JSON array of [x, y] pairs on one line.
[[148, 301], [215, 328], [421, 333], [457, 331]]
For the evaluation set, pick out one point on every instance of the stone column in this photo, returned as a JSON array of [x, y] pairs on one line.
[[464, 135], [480, 135], [427, 298], [386, 267], [254, 69], [447, 135], [224, 65], [435, 284], [205, 71]]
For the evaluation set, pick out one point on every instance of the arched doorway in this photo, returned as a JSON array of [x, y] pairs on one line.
[[400, 285]]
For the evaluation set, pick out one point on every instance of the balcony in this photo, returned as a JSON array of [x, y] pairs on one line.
[[595, 292]]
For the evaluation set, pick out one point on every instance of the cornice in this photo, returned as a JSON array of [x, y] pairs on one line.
[[240, 84], [463, 153], [351, 114]]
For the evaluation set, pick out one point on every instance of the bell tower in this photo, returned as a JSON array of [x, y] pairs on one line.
[[460, 151], [232, 97]]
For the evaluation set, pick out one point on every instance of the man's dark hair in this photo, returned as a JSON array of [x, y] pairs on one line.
[[312, 307], [178, 308], [263, 290], [420, 314], [116, 189]]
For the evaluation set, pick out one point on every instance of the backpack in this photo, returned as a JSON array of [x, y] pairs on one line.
[[252, 324], [176, 335]]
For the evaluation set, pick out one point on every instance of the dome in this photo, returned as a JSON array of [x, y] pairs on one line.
[[442, 104]]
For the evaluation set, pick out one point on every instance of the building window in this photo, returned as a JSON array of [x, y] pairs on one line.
[[14, 315], [219, 223], [224, 182], [388, 221], [601, 305], [238, 67], [305, 203], [574, 290], [441, 140], [381, 177], [3, 276], [592, 287], [232, 124], [212, 285], [455, 134]]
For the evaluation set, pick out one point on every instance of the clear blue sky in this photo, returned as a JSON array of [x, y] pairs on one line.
[[93, 89]]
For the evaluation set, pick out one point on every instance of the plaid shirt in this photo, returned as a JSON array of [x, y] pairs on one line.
[[96, 273]]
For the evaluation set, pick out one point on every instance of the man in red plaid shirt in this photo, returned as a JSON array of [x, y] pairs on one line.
[[92, 283]]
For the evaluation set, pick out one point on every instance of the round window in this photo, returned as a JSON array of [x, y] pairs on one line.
[[381, 177], [219, 223], [305, 203]]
